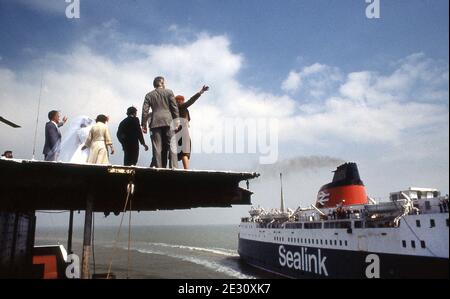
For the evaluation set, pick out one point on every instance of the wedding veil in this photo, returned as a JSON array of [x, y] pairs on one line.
[[71, 141]]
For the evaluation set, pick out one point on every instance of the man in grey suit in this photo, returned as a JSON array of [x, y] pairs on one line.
[[164, 112], [53, 136]]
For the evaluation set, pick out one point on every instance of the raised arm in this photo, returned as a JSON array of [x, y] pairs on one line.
[[194, 98]]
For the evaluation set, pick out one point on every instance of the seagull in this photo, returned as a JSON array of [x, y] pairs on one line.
[[9, 123]]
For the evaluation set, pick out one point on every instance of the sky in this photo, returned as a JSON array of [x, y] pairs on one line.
[[340, 86]]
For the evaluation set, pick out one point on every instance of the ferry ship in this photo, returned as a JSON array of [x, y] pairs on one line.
[[347, 234]]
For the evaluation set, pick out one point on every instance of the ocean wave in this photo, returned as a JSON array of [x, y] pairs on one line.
[[202, 262], [218, 251]]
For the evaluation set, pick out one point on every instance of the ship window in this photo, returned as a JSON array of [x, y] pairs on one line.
[[418, 223], [327, 225], [404, 243], [427, 205], [335, 242], [413, 244], [432, 223], [326, 242], [446, 220], [422, 244], [317, 241], [321, 242], [358, 224], [346, 224], [340, 242], [346, 243], [331, 242]]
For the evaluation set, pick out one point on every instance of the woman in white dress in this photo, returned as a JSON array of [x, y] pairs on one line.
[[71, 147], [98, 141]]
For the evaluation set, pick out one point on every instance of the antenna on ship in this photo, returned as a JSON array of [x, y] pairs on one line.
[[37, 116], [282, 197]]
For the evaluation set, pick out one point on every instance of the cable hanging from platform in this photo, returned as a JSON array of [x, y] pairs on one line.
[[128, 199]]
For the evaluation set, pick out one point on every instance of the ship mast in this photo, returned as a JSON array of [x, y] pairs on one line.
[[282, 197]]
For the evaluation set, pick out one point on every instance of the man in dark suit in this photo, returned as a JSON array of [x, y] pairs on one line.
[[130, 135], [53, 136], [164, 112]]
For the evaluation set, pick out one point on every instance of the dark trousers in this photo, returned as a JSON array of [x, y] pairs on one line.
[[161, 145], [131, 154], [52, 156]]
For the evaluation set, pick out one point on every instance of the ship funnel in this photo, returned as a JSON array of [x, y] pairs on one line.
[[345, 189], [282, 197]]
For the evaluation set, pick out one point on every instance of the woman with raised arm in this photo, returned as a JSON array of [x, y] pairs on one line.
[[184, 154]]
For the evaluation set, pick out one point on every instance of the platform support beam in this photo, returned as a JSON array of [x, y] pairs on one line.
[[87, 237], [69, 238]]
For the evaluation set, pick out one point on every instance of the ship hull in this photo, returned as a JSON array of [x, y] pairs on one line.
[[309, 262]]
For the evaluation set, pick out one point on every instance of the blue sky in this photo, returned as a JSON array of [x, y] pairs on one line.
[[374, 91], [274, 35]]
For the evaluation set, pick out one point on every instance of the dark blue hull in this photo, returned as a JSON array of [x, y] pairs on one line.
[[308, 262]]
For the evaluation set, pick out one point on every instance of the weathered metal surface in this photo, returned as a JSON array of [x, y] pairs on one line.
[[34, 185]]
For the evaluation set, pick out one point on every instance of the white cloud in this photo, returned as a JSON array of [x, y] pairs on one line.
[[292, 82], [370, 108], [84, 82], [315, 80], [364, 108]]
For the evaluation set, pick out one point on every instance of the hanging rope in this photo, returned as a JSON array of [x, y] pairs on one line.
[[129, 238], [93, 239], [130, 192]]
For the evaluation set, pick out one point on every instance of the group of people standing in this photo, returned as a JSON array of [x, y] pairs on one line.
[[88, 142]]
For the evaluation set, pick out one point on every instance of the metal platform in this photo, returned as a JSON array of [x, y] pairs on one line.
[[27, 186], [34, 185]]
